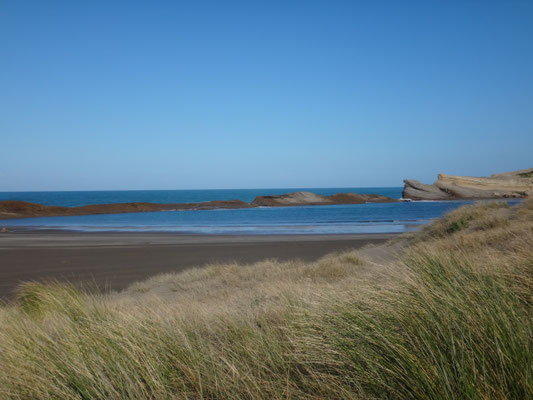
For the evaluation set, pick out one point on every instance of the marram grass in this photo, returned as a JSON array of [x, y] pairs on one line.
[[451, 319]]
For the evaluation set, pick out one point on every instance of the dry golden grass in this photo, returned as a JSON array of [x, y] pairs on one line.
[[234, 288], [449, 318]]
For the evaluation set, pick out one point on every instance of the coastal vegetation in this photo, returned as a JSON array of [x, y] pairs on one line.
[[444, 313]]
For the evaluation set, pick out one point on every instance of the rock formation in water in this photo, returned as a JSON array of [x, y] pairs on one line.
[[21, 209], [312, 199], [515, 184]]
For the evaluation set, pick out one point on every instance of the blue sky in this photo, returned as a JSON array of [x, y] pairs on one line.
[[225, 94]]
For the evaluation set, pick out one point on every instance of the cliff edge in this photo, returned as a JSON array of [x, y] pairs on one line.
[[514, 184]]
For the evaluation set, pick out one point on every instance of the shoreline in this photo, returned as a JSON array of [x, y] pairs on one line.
[[112, 261], [65, 238]]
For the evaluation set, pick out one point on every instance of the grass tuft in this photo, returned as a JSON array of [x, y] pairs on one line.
[[36, 298]]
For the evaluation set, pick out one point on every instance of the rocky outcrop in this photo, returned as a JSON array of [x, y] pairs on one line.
[[312, 199], [515, 184], [355, 198], [22, 209], [290, 199], [415, 190]]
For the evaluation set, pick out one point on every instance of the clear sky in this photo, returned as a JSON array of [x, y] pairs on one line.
[[226, 94]]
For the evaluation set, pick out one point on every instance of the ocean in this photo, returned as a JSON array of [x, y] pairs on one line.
[[336, 219]]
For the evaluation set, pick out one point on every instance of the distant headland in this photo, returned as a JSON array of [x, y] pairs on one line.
[[514, 184], [11, 209]]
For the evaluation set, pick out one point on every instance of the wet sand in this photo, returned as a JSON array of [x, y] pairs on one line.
[[112, 261]]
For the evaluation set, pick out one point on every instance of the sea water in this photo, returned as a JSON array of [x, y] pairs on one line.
[[334, 219]]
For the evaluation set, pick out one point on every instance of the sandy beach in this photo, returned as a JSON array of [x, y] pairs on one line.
[[112, 261]]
